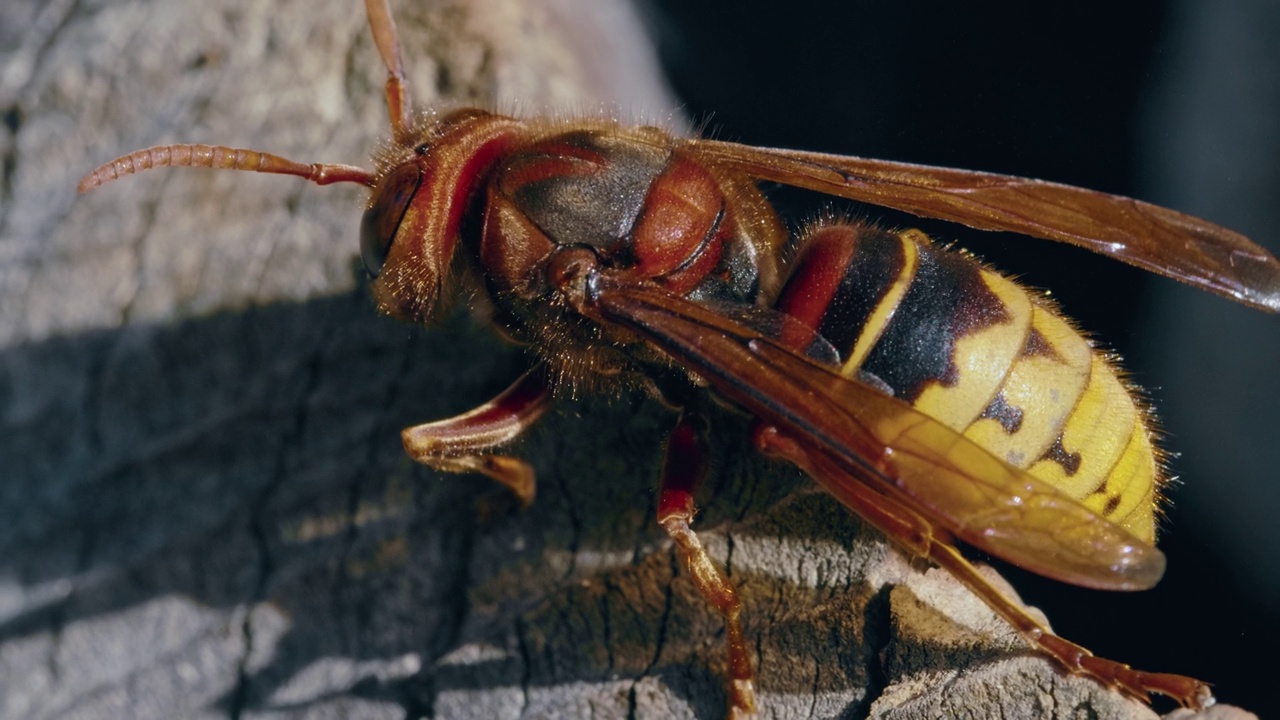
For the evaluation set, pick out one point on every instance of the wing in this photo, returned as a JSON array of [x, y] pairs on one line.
[[1163, 241], [882, 442]]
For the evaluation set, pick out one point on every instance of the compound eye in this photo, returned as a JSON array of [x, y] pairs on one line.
[[380, 222]]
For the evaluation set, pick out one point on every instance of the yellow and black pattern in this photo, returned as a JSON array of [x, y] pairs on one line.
[[980, 354]]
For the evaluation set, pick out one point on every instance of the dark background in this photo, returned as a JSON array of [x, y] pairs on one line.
[[1170, 102]]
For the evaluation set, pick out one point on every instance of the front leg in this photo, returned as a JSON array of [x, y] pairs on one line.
[[683, 470], [462, 443]]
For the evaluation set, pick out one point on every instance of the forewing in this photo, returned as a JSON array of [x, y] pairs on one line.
[[1164, 241], [950, 481]]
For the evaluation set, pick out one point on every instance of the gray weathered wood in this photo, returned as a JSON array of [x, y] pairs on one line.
[[205, 511]]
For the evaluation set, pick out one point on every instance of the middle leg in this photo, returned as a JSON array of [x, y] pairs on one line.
[[684, 468]]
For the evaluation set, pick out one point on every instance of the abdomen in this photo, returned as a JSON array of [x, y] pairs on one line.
[[979, 353]]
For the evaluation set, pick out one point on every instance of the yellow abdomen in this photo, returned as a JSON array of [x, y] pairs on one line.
[[977, 352]]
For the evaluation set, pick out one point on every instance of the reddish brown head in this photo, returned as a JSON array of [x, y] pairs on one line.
[[425, 186]]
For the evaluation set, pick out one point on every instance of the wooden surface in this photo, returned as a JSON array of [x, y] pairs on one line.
[[205, 510]]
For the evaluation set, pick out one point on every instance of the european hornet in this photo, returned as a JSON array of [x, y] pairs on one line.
[[937, 399]]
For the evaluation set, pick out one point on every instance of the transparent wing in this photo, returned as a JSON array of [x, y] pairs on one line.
[[952, 483], [1164, 241]]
